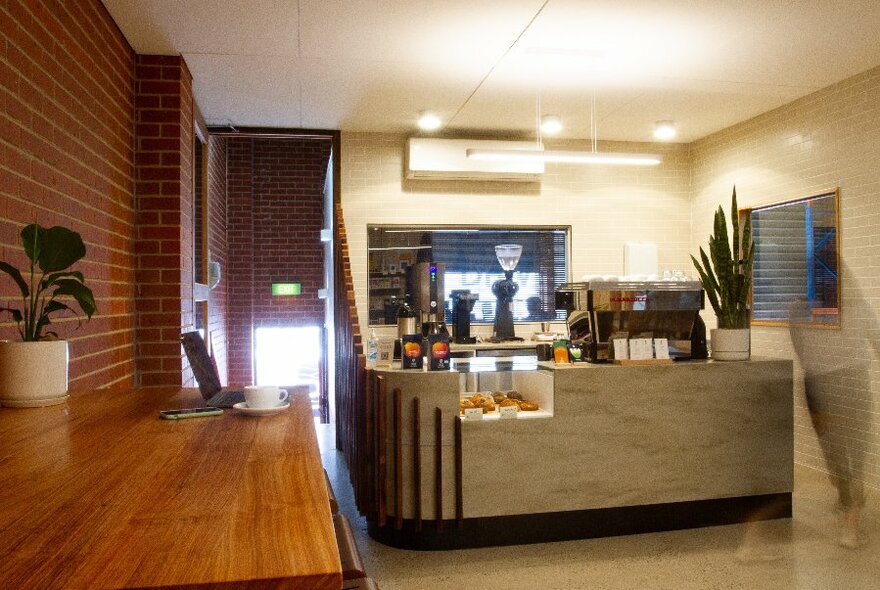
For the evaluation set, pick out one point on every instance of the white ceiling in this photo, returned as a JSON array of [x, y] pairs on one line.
[[372, 65]]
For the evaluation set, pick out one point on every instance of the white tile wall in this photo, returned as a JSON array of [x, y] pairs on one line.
[[828, 139]]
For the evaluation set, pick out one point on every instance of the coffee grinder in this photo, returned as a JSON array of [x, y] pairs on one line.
[[462, 304], [504, 290]]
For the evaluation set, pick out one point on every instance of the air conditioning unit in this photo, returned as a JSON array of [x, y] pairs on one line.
[[446, 159]]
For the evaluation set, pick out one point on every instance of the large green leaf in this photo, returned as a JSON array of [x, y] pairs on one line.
[[748, 247], [722, 261], [82, 294], [734, 221], [16, 314], [32, 238], [54, 306], [50, 279], [710, 274], [16, 276], [54, 249], [708, 280], [45, 320], [41, 323]]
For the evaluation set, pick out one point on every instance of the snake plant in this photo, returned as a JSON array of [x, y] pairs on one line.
[[726, 273]]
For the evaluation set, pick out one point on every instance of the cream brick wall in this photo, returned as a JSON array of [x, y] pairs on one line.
[[828, 139], [605, 206]]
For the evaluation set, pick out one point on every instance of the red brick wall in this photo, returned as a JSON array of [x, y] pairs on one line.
[[66, 158], [217, 249], [239, 210], [275, 208], [164, 191]]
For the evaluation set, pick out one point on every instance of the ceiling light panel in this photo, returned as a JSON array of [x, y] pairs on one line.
[[244, 90], [631, 41], [372, 96], [455, 31], [219, 27]]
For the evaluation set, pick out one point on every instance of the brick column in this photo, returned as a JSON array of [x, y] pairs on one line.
[[240, 240], [218, 249], [164, 198]]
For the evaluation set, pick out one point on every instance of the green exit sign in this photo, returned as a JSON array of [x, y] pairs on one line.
[[282, 289]]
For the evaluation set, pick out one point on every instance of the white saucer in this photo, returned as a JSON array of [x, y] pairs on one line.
[[244, 409]]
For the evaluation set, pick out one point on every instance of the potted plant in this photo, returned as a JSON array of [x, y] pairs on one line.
[[726, 274], [33, 372]]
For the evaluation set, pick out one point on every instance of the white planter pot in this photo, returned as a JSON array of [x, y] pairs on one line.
[[731, 345], [33, 373]]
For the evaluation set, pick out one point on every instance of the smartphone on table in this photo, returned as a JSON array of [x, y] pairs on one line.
[[190, 413]]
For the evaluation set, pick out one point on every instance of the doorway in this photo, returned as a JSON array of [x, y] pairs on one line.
[[276, 232], [287, 356]]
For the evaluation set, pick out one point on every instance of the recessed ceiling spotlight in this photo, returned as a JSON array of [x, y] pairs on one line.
[[551, 124], [664, 130], [429, 121]]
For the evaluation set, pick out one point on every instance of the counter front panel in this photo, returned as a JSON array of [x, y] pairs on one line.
[[613, 440]]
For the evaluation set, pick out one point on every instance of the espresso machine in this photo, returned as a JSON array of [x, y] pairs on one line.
[[598, 311]]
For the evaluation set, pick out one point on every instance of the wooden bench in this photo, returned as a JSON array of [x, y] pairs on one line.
[[352, 564], [334, 505]]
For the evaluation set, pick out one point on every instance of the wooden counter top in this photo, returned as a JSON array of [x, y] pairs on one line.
[[101, 493]]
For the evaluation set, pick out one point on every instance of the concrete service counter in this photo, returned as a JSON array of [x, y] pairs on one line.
[[613, 450]]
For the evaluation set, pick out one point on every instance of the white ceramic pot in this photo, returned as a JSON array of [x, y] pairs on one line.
[[33, 374], [731, 345]]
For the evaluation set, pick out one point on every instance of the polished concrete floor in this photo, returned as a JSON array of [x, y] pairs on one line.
[[802, 553]]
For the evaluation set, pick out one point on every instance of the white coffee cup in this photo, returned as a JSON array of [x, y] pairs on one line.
[[264, 396]]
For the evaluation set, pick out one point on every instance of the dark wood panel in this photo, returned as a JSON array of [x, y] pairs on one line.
[[417, 464]]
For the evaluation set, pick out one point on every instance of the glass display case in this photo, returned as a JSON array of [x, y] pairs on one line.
[[500, 388]]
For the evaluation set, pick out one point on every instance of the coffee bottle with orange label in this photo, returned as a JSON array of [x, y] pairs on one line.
[[411, 351], [438, 352]]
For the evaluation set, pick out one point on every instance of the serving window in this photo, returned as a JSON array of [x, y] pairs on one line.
[[468, 254]]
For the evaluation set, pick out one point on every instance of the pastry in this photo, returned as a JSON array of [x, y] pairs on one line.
[[499, 397], [514, 395], [465, 404], [508, 402], [526, 406], [477, 399], [488, 405]]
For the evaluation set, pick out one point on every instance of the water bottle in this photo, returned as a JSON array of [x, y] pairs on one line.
[[372, 348]]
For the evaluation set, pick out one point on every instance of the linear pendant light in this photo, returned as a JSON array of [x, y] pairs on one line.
[[593, 156], [567, 156]]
